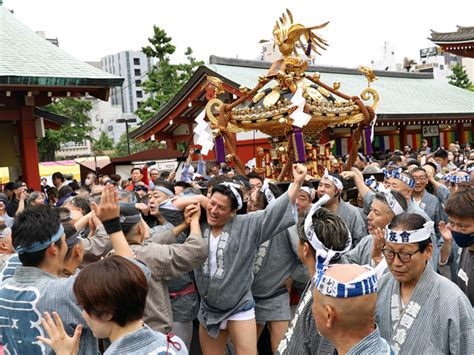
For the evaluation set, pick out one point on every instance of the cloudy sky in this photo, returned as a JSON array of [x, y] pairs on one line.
[[91, 29]]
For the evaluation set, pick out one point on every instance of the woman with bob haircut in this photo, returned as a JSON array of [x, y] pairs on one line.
[[112, 293]]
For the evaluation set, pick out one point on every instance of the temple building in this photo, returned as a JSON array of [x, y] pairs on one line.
[[412, 106], [33, 72]]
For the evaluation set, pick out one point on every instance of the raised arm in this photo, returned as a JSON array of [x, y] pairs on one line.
[[108, 211], [358, 178], [299, 174]]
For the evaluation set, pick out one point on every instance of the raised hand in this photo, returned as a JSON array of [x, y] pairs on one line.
[[379, 243], [299, 173], [192, 213], [59, 340], [445, 231], [109, 206]]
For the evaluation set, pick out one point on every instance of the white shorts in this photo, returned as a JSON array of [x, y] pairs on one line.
[[244, 315]]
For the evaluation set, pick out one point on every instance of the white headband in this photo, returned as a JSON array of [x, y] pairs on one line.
[[410, 236], [323, 254], [338, 183], [364, 284], [309, 191], [233, 187], [266, 190], [393, 203]]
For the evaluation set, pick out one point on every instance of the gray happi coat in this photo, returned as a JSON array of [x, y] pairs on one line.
[[354, 221], [302, 336], [362, 253], [228, 291], [275, 263], [411, 208], [438, 319]]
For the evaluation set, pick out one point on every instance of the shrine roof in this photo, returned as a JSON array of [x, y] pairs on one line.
[[401, 93], [26, 59], [462, 35]]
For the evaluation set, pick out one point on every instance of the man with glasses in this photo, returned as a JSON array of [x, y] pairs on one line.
[[419, 311]]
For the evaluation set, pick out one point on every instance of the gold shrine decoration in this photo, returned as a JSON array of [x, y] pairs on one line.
[[271, 108]]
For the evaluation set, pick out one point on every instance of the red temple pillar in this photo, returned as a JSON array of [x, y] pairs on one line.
[[28, 148], [403, 137], [460, 132]]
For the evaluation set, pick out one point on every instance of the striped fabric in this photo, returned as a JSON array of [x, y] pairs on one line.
[[342, 146], [446, 138], [437, 320], [383, 143], [414, 140], [302, 336]]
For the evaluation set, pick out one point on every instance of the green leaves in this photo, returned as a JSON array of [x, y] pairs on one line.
[[102, 144], [459, 78], [165, 79], [76, 129]]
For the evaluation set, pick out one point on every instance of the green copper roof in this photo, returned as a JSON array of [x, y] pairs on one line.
[[400, 94], [27, 59]]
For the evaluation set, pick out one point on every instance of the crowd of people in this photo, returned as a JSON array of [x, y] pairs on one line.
[[347, 264]]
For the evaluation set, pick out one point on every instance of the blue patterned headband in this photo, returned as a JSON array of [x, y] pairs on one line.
[[372, 183], [364, 284], [37, 246], [398, 174]]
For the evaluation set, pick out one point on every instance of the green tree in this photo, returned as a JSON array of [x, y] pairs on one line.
[[165, 79], [459, 78], [121, 149], [102, 144], [77, 128]]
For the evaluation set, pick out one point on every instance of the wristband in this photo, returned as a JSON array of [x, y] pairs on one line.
[[112, 225]]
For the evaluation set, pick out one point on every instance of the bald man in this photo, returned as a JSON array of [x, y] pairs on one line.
[[345, 296]]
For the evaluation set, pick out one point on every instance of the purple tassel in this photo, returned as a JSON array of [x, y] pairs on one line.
[[220, 149], [367, 141], [298, 145]]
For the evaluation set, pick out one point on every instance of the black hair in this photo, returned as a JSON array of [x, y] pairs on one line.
[[254, 176], [74, 185], [226, 190], [183, 184], [216, 180], [329, 227], [35, 224], [166, 184], [262, 200], [58, 175], [126, 210], [397, 195], [64, 191], [133, 169], [70, 230], [410, 221], [414, 162], [441, 153], [9, 186]]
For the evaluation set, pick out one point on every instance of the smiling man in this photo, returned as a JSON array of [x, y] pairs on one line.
[[419, 311]]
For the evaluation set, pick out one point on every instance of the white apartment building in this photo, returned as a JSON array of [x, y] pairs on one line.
[[433, 60], [133, 66]]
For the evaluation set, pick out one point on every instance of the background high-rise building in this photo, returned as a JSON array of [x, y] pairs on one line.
[[133, 66]]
